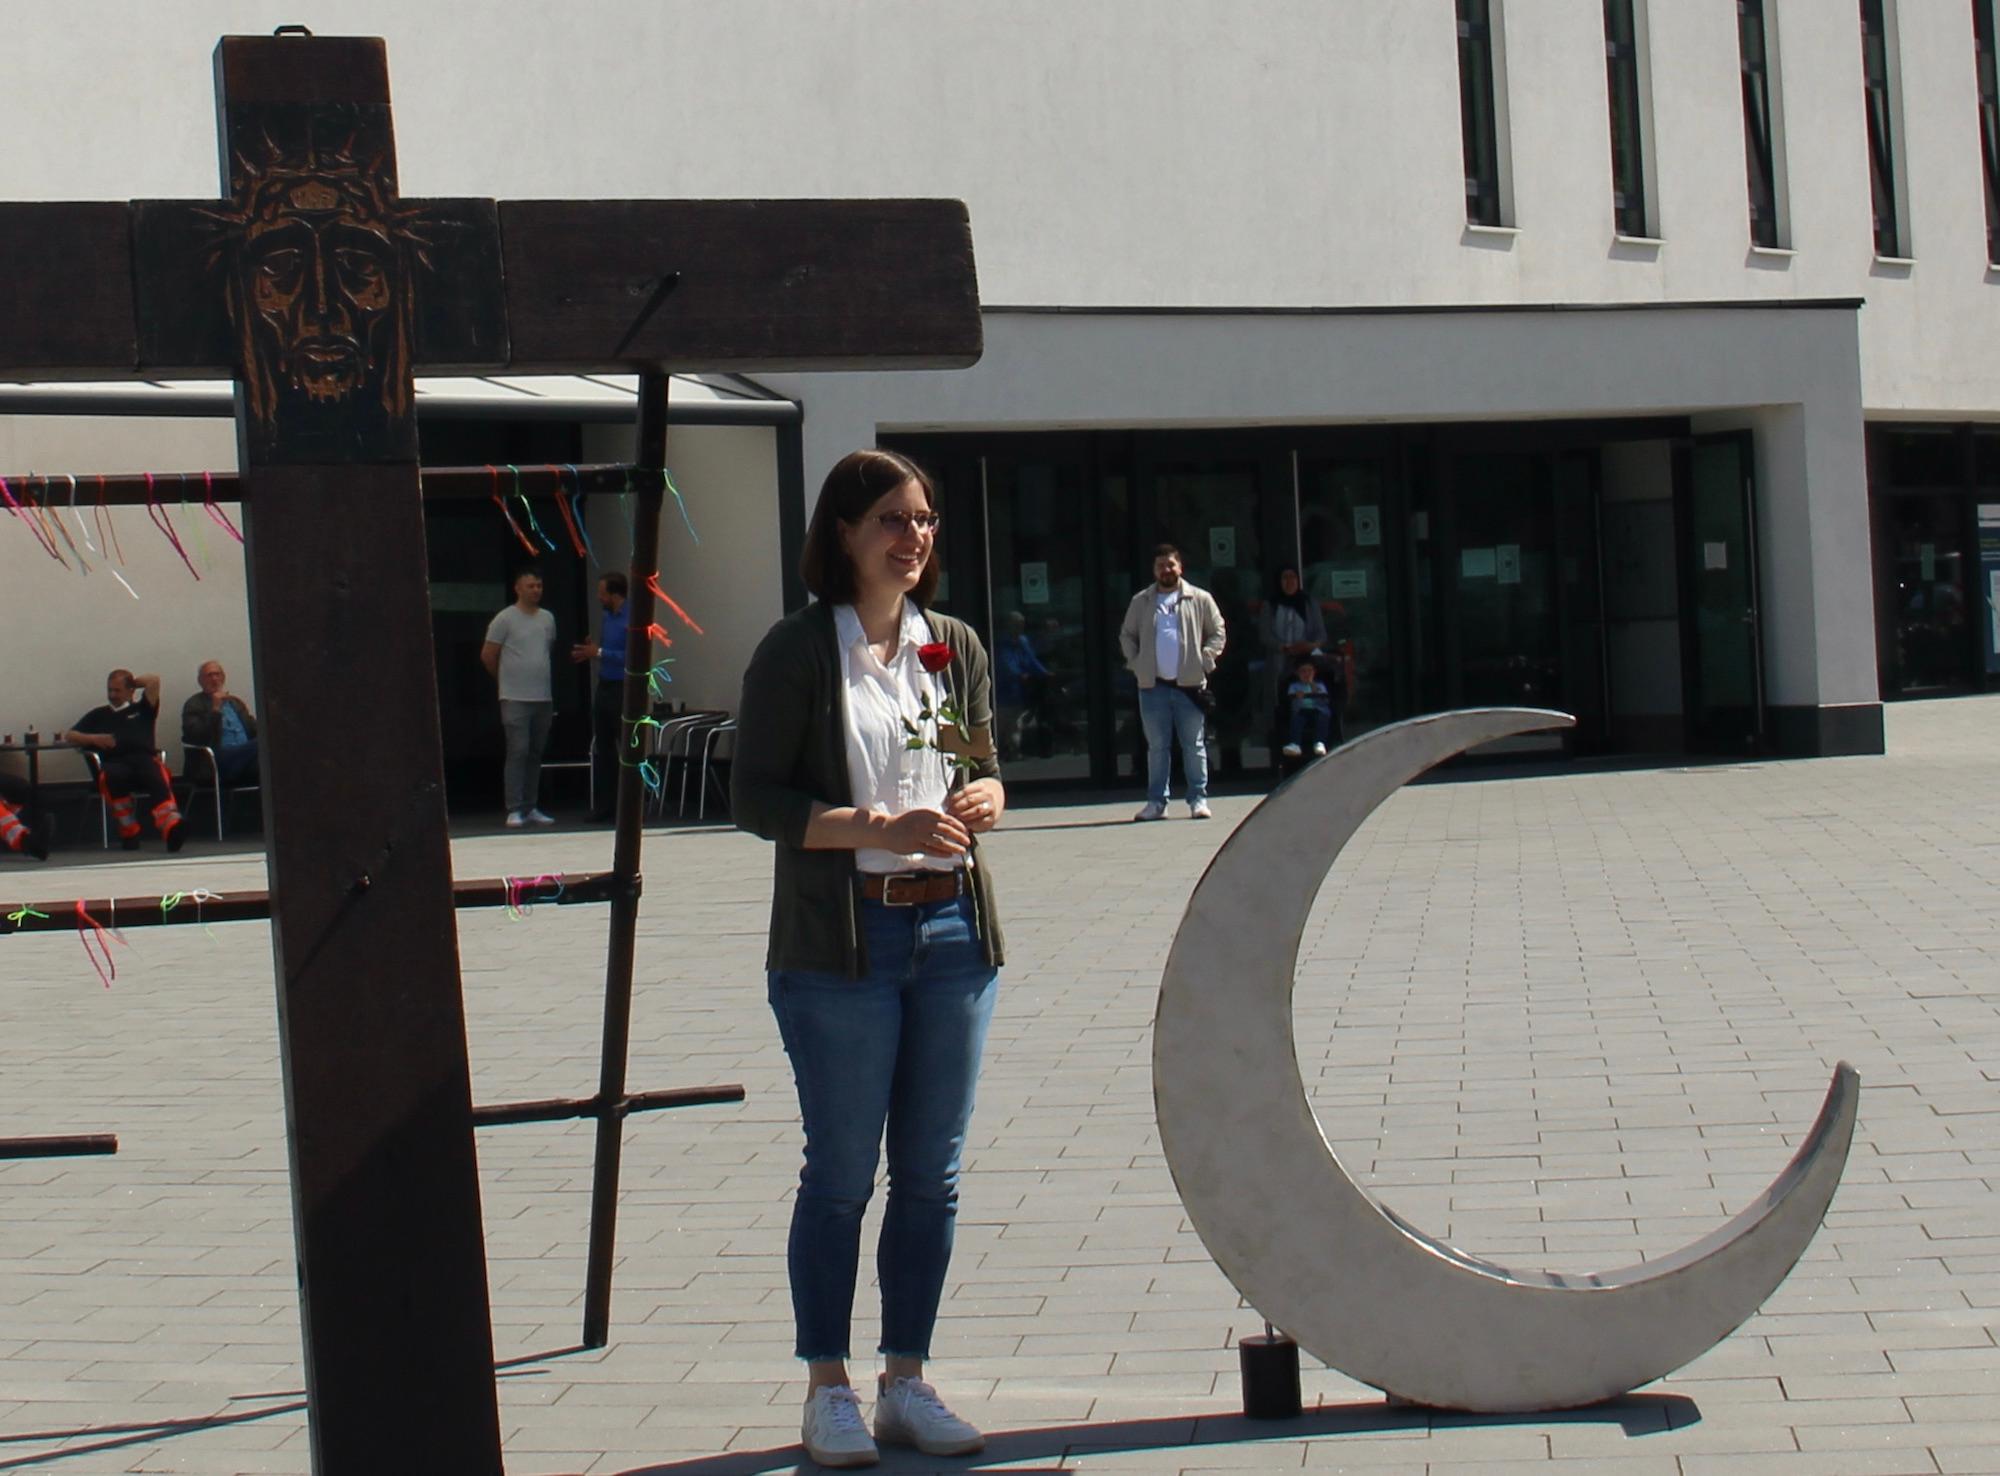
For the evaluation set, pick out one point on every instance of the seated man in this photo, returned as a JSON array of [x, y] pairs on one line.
[[120, 734], [17, 827], [215, 719]]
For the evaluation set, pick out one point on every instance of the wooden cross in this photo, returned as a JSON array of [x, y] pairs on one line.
[[322, 290]]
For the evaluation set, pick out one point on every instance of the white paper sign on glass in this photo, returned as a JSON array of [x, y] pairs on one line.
[[1035, 584]]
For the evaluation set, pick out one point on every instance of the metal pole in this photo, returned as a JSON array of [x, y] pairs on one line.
[[566, 1109], [652, 457], [189, 489]]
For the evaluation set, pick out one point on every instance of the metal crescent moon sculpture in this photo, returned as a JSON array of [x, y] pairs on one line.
[[1357, 1286]]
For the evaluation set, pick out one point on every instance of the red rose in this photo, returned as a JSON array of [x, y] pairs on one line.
[[934, 656]]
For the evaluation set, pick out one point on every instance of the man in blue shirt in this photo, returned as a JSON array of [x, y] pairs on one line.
[[215, 718], [607, 705]]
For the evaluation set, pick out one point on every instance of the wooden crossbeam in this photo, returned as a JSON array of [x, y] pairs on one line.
[[126, 489], [742, 285], [59, 1145], [174, 911]]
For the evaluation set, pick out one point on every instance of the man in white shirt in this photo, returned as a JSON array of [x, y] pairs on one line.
[[518, 649], [1172, 637]]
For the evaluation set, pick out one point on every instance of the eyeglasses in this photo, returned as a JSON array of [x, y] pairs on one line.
[[896, 524]]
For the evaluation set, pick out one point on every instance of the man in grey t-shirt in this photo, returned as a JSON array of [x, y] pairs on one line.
[[518, 650]]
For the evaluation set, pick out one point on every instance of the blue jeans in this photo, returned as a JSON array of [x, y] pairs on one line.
[[1316, 720], [1167, 713], [899, 1048]]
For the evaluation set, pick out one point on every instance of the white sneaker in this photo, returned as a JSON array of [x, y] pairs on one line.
[[833, 1432], [909, 1412], [1290, 750], [517, 819], [1154, 811], [1319, 750], [1199, 810], [538, 818]]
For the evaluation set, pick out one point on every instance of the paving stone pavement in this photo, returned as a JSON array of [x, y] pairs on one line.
[[1571, 1019]]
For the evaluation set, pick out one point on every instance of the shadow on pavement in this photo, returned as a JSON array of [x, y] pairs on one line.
[[1636, 1414], [95, 1439]]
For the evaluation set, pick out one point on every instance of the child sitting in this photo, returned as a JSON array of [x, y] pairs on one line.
[[1312, 708]]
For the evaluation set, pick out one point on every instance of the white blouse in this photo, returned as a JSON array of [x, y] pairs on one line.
[[886, 776]]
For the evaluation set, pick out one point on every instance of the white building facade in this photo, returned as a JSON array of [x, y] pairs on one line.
[[1625, 356]]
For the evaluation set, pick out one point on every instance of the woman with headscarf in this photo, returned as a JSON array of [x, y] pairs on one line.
[[1291, 627]]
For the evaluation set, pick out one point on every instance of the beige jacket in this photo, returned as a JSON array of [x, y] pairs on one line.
[[1202, 636]]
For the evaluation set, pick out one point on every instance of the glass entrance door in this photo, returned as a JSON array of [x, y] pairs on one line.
[[1929, 599], [1580, 589], [1039, 532], [1215, 508], [1721, 641], [1508, 627], [1344, 534]]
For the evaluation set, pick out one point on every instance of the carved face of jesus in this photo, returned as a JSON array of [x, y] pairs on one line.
[[320, 272]]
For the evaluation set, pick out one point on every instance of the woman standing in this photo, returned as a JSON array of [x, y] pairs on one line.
[[884, 947]]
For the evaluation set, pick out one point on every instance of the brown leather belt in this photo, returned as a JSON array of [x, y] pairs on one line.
[[914, 888]]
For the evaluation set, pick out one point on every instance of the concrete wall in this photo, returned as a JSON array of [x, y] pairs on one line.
[[1266, 153], [66, 630], [727, 578]]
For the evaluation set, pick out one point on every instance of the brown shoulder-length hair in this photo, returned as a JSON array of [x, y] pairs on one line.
[[857, 482]]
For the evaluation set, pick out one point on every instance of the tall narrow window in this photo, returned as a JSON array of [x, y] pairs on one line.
[[1478, 115], [1622, 67], [1759, 145], [1989, 120], [1877, 79]]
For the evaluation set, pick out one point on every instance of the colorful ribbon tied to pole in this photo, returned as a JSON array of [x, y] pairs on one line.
[[163, 520], [653, 583], [96, 939]]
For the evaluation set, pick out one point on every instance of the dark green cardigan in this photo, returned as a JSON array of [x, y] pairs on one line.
[[791, 751]]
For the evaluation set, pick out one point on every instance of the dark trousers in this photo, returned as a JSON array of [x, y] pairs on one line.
[[238, 765], [136, 773], [1314, 723], [120, 776], [607, 706]]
